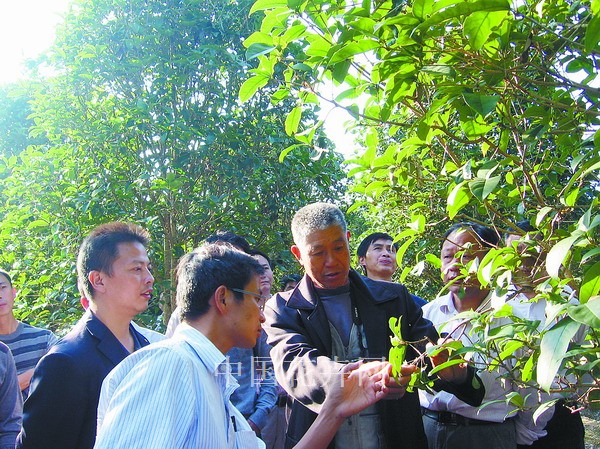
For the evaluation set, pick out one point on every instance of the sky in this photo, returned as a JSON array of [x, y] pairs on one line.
[[26, 29]]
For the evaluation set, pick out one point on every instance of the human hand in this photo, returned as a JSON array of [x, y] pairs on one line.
[[25, 378], [456, 373], [397, 386], [254, 427], [357, 386]]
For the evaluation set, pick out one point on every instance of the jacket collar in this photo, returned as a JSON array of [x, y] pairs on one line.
[[304, 297], [107, 343]]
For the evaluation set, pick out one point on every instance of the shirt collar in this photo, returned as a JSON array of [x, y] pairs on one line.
[[205, 349], [447, 304]]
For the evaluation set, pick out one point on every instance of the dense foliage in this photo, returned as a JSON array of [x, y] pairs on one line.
[[480, 110]]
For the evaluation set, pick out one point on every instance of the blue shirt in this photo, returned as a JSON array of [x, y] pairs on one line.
[[257, 391], [172, 395]]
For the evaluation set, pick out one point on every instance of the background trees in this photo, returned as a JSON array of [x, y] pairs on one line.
[[480, 110], [143, 123]]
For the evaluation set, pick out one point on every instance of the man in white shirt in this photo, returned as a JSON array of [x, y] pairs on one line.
[[565, 429], [449, 422]]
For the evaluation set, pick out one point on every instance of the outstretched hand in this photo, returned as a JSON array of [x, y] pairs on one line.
[[397, 385], [456, 373], [357, 386]]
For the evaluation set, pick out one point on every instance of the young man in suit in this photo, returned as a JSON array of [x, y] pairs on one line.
[[115, 273]]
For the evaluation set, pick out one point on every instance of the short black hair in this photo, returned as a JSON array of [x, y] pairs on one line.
[[100, 249], [202, 271], [364, 245], [7, 276], [289, 278], [258, 252], [486, 236], [522, 226], [230, 237]]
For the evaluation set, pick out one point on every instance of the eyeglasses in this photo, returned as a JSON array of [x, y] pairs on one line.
[[260, 299]]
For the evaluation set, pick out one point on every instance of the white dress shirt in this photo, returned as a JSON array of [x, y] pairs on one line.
[[441, 312], [172, 395]]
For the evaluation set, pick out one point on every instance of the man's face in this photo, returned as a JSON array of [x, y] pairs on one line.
[[247, 316], [129, 288], [325, 256], [266, 279], [290, 285], [460, 248], [7, 296], [380, 259]]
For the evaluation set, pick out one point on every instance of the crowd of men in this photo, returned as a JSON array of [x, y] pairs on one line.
[[245, 368]]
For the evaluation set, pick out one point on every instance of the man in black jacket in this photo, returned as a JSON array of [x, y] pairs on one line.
[[334, 316], [114, 273]]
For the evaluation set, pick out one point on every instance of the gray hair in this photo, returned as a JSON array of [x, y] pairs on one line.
[[316, 217]]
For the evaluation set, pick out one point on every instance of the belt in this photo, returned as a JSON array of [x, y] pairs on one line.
[[453, 419], [283, 400]]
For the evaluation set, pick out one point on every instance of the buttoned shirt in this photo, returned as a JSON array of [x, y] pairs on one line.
[[442, 312], [173, 395]]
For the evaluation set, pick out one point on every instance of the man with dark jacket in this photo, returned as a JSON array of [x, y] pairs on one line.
[[115, 274], [334, 316]]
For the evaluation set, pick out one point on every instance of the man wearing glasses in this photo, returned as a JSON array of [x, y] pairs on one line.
[[176, 393]]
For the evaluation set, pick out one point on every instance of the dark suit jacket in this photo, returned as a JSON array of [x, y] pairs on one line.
[[298, 330], [62, 407]]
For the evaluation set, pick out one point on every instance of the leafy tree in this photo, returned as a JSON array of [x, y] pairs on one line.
[[14, 119], [480, 110], [145, 125]]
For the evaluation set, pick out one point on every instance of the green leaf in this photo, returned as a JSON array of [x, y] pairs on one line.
[[479, 25], [557, 255], [482, 104], [464, 9], [347, 51], [251, 86], [292, 121], [589, 254], [258, 49], [481, 188], [590, 286], [445, 365], [527, 371], [402, 250], [541, 215], [588, 313], [592, 34], [261, 5], [293, 33], [422, 8], [553, 349], [287, 150], [458, 198], [318, 46], [510, 349], [340, 70], [571, 198], [439, 69]]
